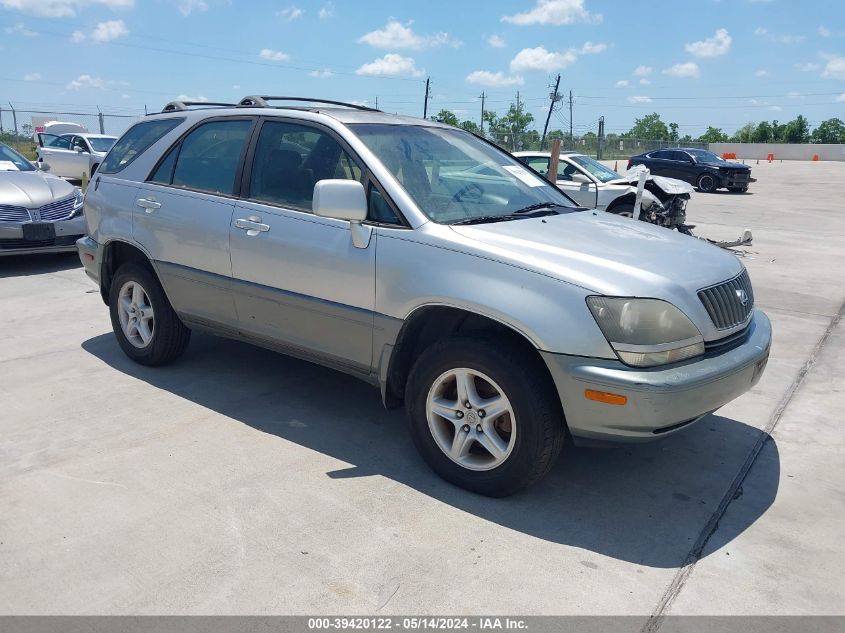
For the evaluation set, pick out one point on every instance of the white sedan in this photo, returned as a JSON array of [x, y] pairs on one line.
[[72, 155]]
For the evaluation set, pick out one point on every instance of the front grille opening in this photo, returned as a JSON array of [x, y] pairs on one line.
[[729, 303]]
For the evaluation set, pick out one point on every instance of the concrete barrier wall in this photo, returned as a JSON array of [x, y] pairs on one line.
[[782, 151]]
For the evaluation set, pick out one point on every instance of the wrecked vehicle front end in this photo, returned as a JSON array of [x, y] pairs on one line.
[[663, 201]]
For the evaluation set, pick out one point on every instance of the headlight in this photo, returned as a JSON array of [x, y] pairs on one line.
[[646, 332], [78, 202]]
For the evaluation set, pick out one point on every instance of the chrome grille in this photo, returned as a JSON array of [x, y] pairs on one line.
[[57, 210], [724, 301], [9, 213]]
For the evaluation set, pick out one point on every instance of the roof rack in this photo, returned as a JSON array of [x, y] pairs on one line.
[[255, 101], [179, 106]]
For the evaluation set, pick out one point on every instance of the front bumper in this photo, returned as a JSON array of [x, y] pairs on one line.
[[660, 400], [89, 255], [737, 178], [67, 232]]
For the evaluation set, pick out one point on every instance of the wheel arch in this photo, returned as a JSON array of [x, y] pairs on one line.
[[116, 253], [426, 324], [628, 198]]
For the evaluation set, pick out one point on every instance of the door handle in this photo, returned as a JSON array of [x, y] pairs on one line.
[[252, 225], [148, 205]]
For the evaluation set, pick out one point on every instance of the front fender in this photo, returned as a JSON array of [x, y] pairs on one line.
[[550, 313]]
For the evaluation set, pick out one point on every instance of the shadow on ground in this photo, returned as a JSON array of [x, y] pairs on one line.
[[23, 265], [642, 503]]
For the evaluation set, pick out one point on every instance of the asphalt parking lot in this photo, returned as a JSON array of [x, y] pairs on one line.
[[240, 481]]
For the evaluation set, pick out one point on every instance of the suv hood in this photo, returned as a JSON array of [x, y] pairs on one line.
[[607, 254], [32, 189]]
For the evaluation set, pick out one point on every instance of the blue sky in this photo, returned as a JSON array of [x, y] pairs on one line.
[[699, 63]]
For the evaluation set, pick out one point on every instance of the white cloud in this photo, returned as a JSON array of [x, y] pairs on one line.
[[109, 31], [794, 95], [775, 108], [326, 11], [61, 8], [762, 31], [291, 13], [807, 67], [835, 68], [124, 96], [486, 78], [645, 82], [841, 98], [541, 59], [273, 56], [555, 12], [686, 70], [236, 87], [77, 36], [86, 81], [20, 29], [187, 7], [823, 31], [32, 77], [639, 99], [761, 73], [495, 41], [592, 49], [397, 35], [714, 46], [197, 98], [321, 74], [391, 65], [643, 71], [622, 83]]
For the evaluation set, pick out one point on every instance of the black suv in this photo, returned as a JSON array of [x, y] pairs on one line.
[[698, 167]]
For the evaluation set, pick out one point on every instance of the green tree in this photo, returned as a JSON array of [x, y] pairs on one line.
[[650, 127], [745, 134], [830, 131], [446, 116], [511, 130], [673, 132], [797, 130], [470, 126], [713, 135], [763, 133]]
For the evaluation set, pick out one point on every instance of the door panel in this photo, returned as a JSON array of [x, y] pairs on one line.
[[301, 282]]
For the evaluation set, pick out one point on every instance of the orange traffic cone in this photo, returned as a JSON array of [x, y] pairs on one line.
[[815, 156]]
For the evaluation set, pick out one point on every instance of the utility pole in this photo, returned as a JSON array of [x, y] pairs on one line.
[[571, 140], [555, 97], [425, 101], [376, 102], [600, 147], [14, 119], [1, 120], [482, 112]]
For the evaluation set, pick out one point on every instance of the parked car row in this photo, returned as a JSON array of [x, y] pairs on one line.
[[498, 310]]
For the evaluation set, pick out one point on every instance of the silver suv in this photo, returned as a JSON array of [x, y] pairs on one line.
[[426, 261]]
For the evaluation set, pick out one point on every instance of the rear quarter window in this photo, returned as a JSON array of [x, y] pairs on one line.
[[135, 142]]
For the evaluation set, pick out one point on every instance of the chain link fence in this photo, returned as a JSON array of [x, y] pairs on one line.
[[613, 147], [18, 125]]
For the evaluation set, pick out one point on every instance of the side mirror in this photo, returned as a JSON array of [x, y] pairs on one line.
[[43, 166], [343, 200], [580, 178], [78, 149]]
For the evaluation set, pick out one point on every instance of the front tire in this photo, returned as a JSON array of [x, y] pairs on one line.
[[484, 417], [146, 327], [738, 189], [707, 183]]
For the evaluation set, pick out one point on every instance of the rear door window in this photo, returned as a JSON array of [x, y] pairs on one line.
[[209, 156], [136, 141]]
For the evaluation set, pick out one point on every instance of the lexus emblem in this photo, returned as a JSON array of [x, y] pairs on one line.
[[742, 296]]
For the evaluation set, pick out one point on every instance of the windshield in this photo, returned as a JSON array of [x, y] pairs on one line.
[[10, 160], [453, 176], [101, 143], [595, 168], [702, 155]]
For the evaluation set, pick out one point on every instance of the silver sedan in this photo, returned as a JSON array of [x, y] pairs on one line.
[[39, 213]]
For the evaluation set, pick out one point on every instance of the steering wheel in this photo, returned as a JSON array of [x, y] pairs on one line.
[[471, 187]]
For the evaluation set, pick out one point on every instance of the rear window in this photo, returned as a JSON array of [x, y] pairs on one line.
[[136, 140]]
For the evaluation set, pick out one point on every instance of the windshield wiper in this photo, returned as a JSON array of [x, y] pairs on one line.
[[537, 207], [534, 211]]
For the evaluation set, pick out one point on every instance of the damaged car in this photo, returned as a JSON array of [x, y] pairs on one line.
[[701, 168], [591, 184]]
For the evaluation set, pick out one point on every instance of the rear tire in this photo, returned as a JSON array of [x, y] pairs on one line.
[[495, 453], [707, 183], [146, 327]]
